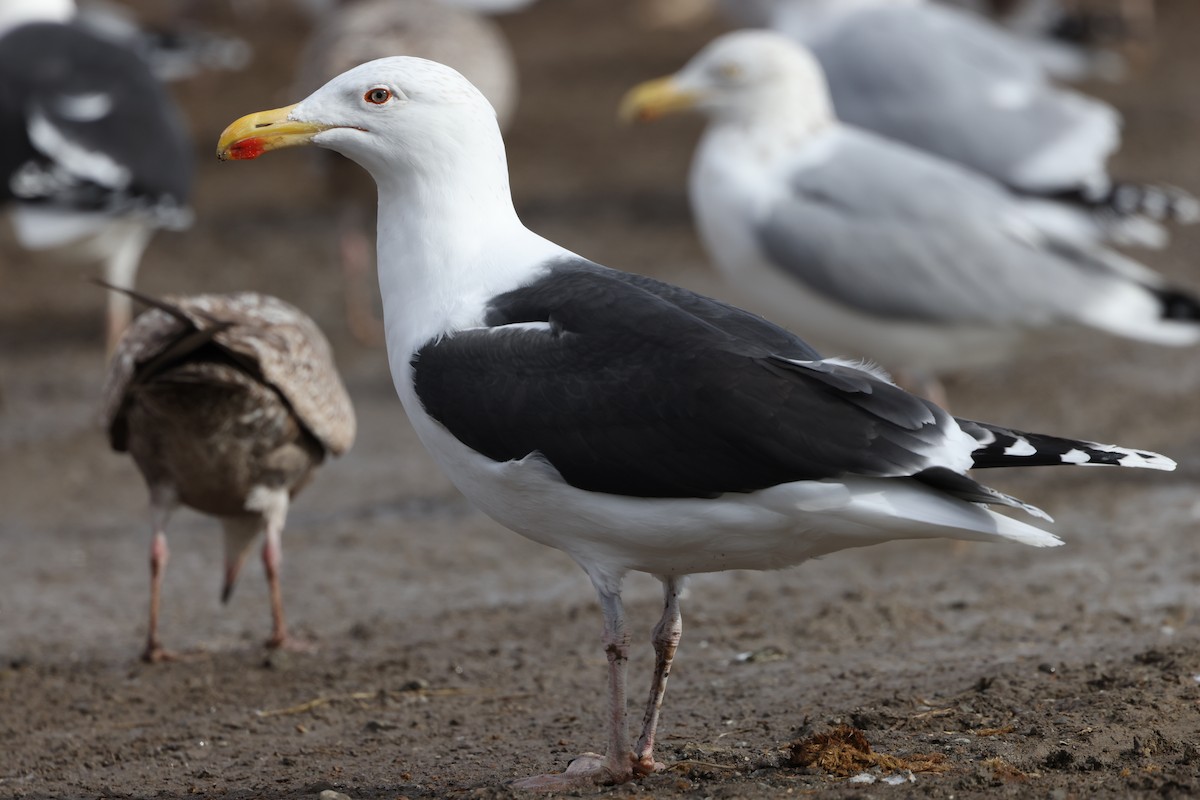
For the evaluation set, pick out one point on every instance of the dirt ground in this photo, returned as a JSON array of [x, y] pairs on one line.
[[454, 655]]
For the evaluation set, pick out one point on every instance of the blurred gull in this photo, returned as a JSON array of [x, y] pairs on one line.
[[878, 249], [94, 157], [350, 32], [1087, 24], [632, 424], [1072, 44], [227, 404], [951, 83], [174, 53]]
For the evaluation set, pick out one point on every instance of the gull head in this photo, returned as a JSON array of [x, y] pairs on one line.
[[739, 76], [391, 116]]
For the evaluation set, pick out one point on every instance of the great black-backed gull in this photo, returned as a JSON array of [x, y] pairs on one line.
[[630, 423], [876, 248], [949, 82], [93, 154], [227, 404]]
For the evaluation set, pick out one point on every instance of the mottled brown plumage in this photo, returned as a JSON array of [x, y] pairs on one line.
[[227, 404]]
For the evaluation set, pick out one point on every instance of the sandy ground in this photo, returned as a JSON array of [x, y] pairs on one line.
[[454, 655]]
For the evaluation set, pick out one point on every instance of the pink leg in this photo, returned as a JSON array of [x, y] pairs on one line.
[[616, 766], [357, 271], [272, 556], [924, 384], [666, 640], [159, 555], [271, 561]]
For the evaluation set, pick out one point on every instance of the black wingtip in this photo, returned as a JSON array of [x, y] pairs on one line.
[[1178, 305], [1159, 202], [1005, 447]]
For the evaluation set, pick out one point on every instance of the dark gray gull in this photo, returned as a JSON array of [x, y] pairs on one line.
[[94, 157], [632, 424]]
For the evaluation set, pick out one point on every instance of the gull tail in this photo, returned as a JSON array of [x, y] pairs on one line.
[[1003, 447], [1132, 214], [191, 336], [1158, 202], [1177, 306]]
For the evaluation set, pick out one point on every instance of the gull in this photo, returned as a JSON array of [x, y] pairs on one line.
[[956, 85], [94, 157], [879, 249], [349, 32], [632, 424], [227, 404], [1073, 33], [176, 52]]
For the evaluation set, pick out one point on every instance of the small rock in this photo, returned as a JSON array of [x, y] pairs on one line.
[[330, 794], [761, 656], [900, 777], [862, 777], [375, 726]]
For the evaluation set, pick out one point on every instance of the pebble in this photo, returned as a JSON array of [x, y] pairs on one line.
[[330, 794]]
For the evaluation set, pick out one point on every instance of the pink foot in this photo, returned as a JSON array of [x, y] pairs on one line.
[[291, 644], [156, 654], [589, 769], [647, 766]]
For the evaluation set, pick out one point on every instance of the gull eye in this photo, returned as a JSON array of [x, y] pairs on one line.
[[378, 96], [729, 71]]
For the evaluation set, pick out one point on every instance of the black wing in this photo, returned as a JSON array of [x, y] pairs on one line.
[[73, 107], [640, 388]]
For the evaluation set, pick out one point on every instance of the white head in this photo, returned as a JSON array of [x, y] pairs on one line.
[[21, 12], [403, 119], [447, 228], [742, 77]]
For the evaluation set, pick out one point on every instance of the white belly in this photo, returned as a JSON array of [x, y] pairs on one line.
[[609, 535]]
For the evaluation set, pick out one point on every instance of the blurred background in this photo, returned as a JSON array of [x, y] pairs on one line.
[[399, 580]]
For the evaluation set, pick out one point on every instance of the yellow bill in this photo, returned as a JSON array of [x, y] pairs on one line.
[[255, 134], [653, 99]]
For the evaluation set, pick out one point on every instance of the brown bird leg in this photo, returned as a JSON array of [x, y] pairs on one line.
[[127, 244], [591, 769], [666, 639], [923, 384], [160, 512], [357, 271], [272, 558]]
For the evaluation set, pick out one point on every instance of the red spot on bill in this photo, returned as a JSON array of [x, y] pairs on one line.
[[247, 149]]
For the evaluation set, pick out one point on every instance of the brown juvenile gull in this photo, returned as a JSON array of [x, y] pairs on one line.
[[632, 424], [227, 403]]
